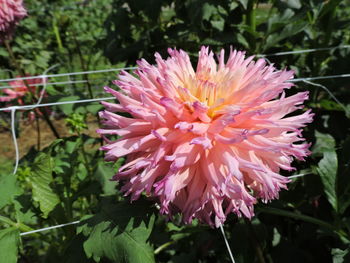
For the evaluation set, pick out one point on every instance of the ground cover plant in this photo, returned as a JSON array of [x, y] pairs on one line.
[[62, 176]]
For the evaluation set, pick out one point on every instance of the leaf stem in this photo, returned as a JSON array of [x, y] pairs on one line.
[[83, 64], [37, 130], [255, 242], [22, 227], [31, 94], [280, 212], [251, 22], [164, 246]]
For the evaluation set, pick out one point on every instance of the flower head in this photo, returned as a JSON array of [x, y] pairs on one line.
[[11, 12], [19, 89], [205, 142]]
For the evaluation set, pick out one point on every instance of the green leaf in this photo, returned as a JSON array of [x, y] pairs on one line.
[[120, 233], [208, 10], [288, 31], [293, 4], [244, 3], [104, 174], [74, 252], [94, 108], [324, 142], [9, 240], [340, 256], [330, 105], [8, 189], [24, 212], [68, 108], [41, 178], [219, 24], [343, 183], [327, 169]]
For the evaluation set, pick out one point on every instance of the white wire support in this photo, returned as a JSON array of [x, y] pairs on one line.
[[306, 80], [85, 81], [302, 51], [54, 83], [30, 107], [13, 117], [321, 77], [131, 68], [328, 91], [48, 228], [13, 131], [227, 244], [70, 74], [43, 76]]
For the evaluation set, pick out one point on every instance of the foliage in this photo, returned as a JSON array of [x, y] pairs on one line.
[[69, 180]]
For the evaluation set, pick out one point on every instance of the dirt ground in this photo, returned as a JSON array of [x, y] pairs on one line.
[[27, 137]]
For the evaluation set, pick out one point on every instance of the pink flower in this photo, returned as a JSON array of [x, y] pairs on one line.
[[11, 12], [205, 142], [18, 89]]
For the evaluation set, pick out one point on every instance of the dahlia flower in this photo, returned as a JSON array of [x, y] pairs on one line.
[[19, 89], [207, 142], [11, 12]]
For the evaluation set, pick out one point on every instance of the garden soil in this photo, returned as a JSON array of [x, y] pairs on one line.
[[27, 136]]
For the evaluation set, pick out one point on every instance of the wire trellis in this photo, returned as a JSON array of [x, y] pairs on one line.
[[294, 52], [13, 109]]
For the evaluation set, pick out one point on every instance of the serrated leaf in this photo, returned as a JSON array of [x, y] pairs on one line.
[[41, 178], [8, 189], [327, 169], [9, 240], [24, 213], [74, 252], [120, 233]]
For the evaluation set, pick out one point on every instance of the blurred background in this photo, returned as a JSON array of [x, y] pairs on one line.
[[309, 223]]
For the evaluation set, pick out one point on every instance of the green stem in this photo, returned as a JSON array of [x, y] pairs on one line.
[[14, 60], [164, 246], [57, 34], [83, 65], [31, 94], [330, 21], [49, 122], [4, 123], [22, 227], [37, 130], [7, 220], [255, 242], [251, 22], [86, 77], [309, 219], [87, 164]]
